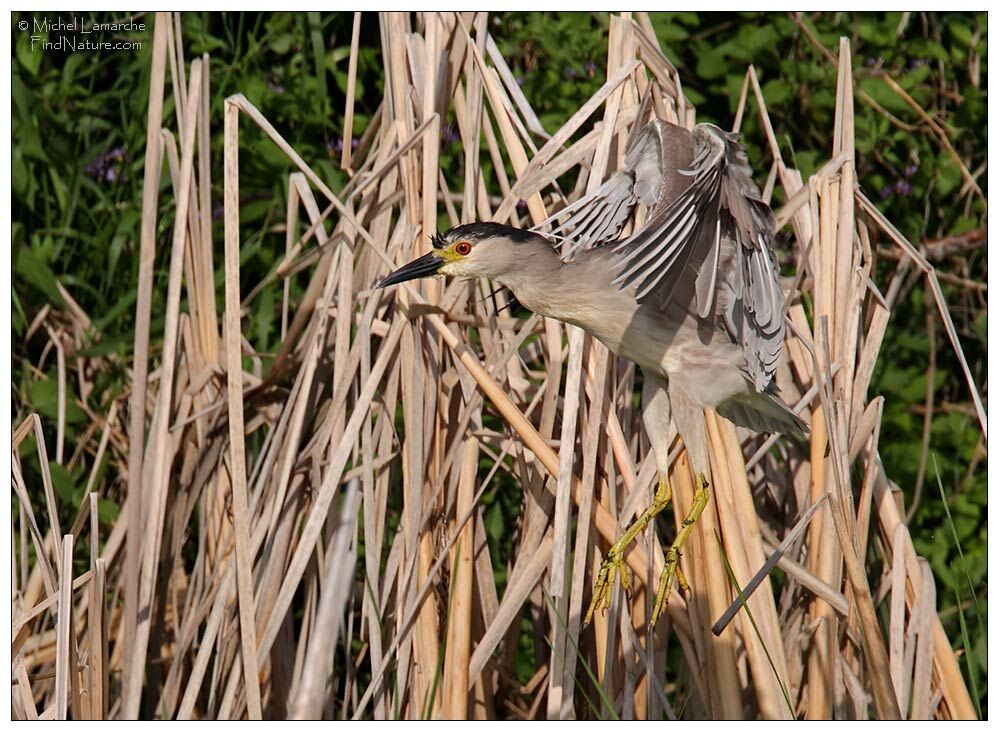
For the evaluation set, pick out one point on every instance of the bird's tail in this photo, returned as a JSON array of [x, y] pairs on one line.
[[762, 413]]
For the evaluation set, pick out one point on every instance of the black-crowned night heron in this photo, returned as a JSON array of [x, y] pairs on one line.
[[692, 296]]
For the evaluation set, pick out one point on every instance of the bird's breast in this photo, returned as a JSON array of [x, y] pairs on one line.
[[670, 341], [675, 345]]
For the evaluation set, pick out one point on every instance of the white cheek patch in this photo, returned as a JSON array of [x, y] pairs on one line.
[[458, 268]]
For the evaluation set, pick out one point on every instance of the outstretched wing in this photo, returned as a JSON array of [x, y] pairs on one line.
[[649, 177], [708, 224], [718, 231], [754, 313]]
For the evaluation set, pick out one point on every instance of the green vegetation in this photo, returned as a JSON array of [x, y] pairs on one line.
[[79, 125]]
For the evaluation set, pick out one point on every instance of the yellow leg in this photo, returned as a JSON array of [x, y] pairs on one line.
[[672, 567], [613, 563]]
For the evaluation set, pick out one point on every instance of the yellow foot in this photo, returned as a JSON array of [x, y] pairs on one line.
[[682, 581], [672, 568], [612, 566], [666, 584]]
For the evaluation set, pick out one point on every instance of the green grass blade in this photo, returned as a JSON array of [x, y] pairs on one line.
[[582, 659], [972, 666], [749, 613], [957, 542], [439, 670]]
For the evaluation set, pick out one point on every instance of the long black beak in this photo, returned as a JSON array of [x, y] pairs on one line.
[[425, 266]]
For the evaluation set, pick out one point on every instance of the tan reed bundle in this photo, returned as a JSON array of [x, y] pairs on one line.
[[303, 602]]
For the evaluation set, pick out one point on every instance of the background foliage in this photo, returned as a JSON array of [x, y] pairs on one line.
[[76, 176]]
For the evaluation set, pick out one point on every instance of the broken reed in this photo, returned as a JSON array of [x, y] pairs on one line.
[[278, 617]]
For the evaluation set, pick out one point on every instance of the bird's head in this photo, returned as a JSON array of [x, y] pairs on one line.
[[471, 250]]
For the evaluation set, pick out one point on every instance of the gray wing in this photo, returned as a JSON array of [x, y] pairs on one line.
[[708, 223], [649, 177], [719, 231], [755, 313]]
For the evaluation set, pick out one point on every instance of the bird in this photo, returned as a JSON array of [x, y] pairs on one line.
[[692, 295]]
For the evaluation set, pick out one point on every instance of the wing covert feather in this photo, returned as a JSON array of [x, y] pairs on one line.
[[708, 225]]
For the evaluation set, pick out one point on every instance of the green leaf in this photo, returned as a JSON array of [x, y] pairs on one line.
[[44, 397], [711, 65], [33, 267], [63, 483], [960, 32], [18, 173], [494, 522], [59, 188], [281, 44], [776, 91], [914, 78], [884, 95], [107, 511], [28, 52], [948, 175]]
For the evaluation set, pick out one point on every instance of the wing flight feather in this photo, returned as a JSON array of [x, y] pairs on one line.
[[707, 223]]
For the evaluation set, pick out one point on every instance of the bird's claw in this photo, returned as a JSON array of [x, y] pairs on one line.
[[613, 565], [681, 580], [672, 569]]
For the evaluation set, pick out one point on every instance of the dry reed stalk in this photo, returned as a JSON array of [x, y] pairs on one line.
[[823, 554], [56, 341], [157, 465], [560, 523], [456, 680], [50, 501], [23, 695], [65, 655], [348, 116], [743, 549], [48, 577], [874, 649], [952, 683], [319, 658], [772, 561], [234, 382], [703, 566], [140, 357], [352, 358]]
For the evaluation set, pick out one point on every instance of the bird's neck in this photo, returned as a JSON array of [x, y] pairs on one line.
[[536, 281], [580, 292]]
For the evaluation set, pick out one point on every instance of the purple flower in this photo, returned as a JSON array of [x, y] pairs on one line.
[[274, 83], [590, 68], [334, 146], [218, 212], [520, 81], [522, 207], [571, 73], [910, 170], [902, 187], [109, 167], [886, 192], [449, 135]]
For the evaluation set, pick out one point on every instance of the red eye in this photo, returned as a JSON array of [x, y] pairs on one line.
[[463, 248]]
